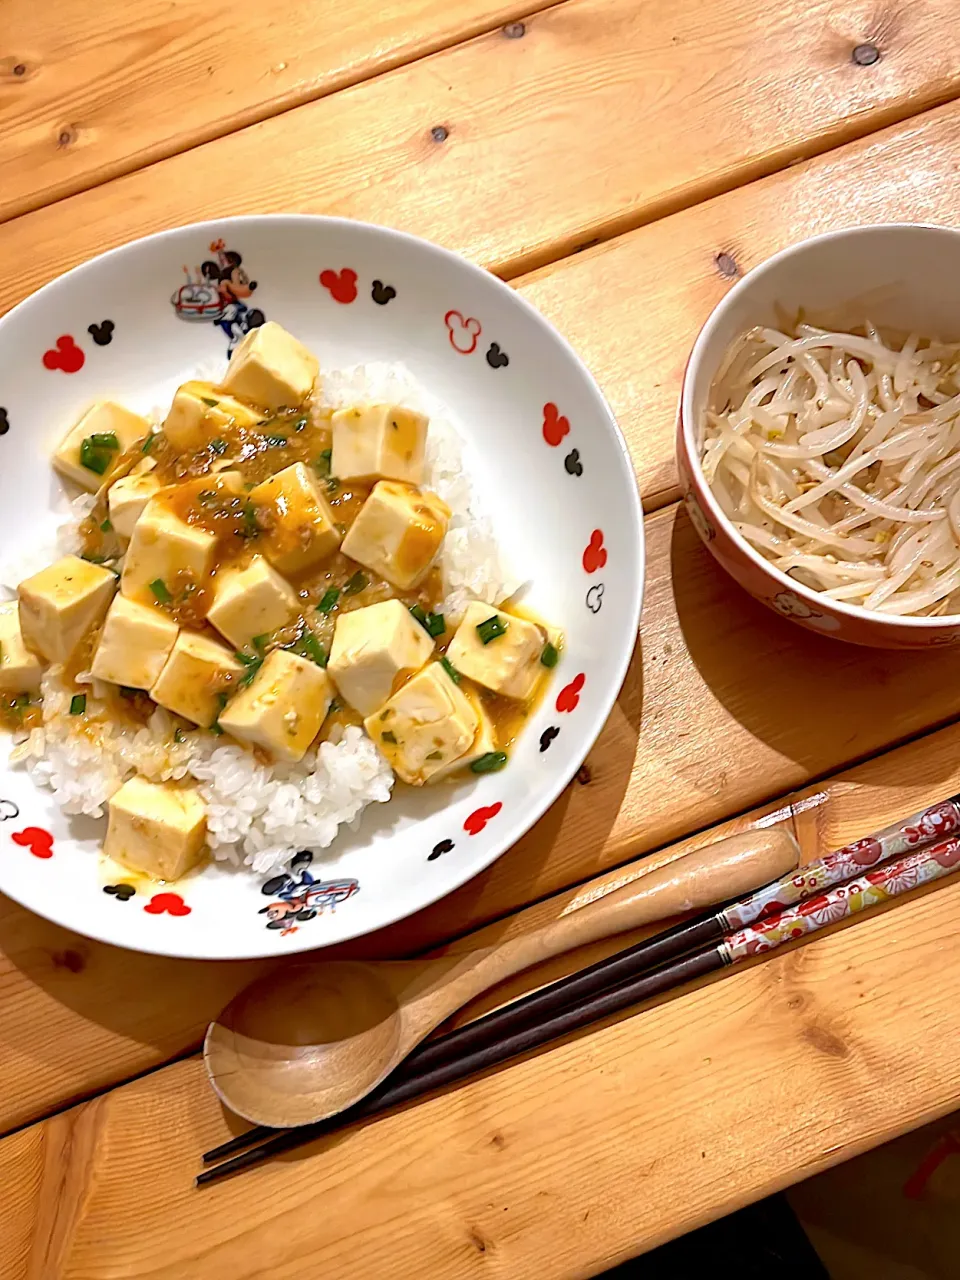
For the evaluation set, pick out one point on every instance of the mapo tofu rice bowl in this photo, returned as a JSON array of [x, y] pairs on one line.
[[277, 596]]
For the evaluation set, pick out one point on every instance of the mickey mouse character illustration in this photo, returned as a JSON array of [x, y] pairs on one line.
[[301, 897], [217, 293]]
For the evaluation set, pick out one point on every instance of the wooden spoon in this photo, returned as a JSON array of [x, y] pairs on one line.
[[303, 1043]]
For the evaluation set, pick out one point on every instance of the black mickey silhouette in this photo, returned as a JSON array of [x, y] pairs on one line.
[[572, 464], [382, 293], [444, 846], [548, 736], [102, 333], [496, 358], [122, 892], [4, 422]]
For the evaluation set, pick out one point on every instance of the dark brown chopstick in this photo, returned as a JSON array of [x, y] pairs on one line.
[[394, 1092], [552, 999], [606, 987]]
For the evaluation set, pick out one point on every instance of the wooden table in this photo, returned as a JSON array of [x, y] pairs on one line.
[[621, 162]]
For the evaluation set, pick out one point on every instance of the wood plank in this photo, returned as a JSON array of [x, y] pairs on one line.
[[88, 92], [566, 1161], [632, 78], [728, 723], [636, 339]]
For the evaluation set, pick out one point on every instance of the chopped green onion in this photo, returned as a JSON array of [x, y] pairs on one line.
[[307, 645], [222, 699], [21, 700], [389, 736], [211, 404], [179, 736], [491, 629], [550, 655], [245, 658], [335, 705], [250, 527], [218, 446], [78, 704], [450, 669], [328, 600], [95, 458], [322, 464], [492, 762], [300, 424], [333, 485], [276, 442], [104, 440], [250, 674], [432, 623], [260, 643], [148, 442], [216, 730], [356, 583], [159, 589]]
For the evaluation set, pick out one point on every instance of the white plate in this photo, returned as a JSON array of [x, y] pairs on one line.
[[553, 469]]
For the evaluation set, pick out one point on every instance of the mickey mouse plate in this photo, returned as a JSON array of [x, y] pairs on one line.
[[541, 449]]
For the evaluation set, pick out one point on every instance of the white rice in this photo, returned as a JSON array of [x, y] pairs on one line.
[[259, 816]]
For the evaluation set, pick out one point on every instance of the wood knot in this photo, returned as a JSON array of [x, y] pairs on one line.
[[66, 135], [498, 1141], [726, 264], [583, 775], [826, 1042], [865, 55], [15, 68], [515, 30], [439, 133]]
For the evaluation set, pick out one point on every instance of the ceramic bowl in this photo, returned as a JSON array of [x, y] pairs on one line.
[[903, 278], [549, 460]]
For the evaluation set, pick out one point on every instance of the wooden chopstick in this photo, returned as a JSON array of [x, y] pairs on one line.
[[650, 968]]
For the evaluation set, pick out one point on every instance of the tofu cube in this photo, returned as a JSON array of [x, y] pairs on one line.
[[378, 442], [156, 828], [165, 548], [483, 743], [20, 670], [282, 708], [509, 663], [271, 368], [398, 533], [102, 419], [374, 648], [427, 724], [199, 412], [299, 530], [194, 678], [135, 644], [127, 499], [61, 603], [249, 602]]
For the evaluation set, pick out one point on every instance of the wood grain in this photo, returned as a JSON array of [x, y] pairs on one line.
[[592, 123], [558, 1165], [88, 92], [636, 337], [728, 722]]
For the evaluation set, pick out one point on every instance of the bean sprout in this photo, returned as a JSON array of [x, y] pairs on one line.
[[837, 457]]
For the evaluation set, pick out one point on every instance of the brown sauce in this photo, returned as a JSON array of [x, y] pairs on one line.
[[201, 494]]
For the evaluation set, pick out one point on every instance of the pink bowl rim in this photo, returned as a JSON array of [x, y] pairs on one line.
[[693, 369]]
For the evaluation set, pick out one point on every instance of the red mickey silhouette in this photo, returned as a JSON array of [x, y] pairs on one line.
[[569, 695], [595, 553], [169, 902], [555, 425], [477, 820], [342, 286], [467, 331], [38, 841], [66, 355]]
